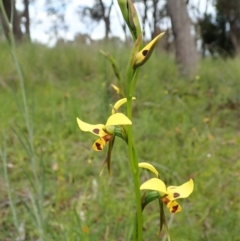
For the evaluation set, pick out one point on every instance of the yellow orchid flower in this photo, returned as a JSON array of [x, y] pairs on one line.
[[167, 194], [143, 55], [106, 132]]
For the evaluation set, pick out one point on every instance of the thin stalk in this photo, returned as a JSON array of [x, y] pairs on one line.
[[26, 115], [18, 68], [37, 202], [134, 82], [135, 173], [38, 217], [3, 154]]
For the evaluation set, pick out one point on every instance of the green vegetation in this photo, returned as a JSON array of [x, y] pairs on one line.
[[194, 125]]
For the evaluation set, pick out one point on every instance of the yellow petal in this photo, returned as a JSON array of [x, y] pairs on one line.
[[99, 144], [143, 55], [119, 103], [149, 167], [183, 191], [173, 206], [154, 184], [118, 119], [94, 129]]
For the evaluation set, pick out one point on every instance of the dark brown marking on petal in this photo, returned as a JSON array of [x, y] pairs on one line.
[[175, 195], [96, 131], [98, 145], [165, 200], [174, 208], [107, 138], [144, 52]]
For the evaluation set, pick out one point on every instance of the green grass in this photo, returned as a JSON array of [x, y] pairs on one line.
[[69, 81]]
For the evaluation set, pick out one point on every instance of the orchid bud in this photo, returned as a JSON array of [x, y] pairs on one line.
[[130, 16], [143, 55], [123, 4], [134, 24]]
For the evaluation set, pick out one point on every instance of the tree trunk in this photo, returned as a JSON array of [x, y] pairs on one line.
[[154, 30], [144, 19], [107, 27], [27, 18], [106, 17], [12, 17], [186, 52], [234, 32]]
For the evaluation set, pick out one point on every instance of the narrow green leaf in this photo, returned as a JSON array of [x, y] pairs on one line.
[[115, 70]]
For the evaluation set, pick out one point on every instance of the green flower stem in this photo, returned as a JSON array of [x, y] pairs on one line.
[[134, 162], [134, 82], [135, 172]]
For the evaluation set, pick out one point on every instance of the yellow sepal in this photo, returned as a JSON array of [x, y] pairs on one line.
[[119, 103], [148, 166]]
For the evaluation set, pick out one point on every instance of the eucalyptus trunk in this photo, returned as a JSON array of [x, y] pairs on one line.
[[186, 52]]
